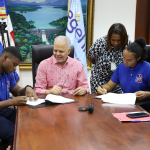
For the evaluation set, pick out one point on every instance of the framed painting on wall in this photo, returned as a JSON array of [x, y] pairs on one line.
[[39, 22]]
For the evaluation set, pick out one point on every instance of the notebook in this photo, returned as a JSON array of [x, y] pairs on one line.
[[123, 117]]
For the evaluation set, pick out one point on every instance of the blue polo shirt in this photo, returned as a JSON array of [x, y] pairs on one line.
[[7, 82], [133, 79], [16, 76]]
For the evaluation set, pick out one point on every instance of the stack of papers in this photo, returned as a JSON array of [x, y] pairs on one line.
[[123, 98], [51, 98]]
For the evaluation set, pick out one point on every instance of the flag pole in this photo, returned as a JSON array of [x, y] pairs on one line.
[[68, 7]]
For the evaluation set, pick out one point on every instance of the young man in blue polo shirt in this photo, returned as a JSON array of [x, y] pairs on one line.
[[133, 74], [10, 58]]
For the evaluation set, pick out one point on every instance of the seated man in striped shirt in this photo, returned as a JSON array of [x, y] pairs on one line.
[[61, 73]]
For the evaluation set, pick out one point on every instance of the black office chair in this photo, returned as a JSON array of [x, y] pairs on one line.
[[142, 103], [148, 53], [4, 144], [41, 52]]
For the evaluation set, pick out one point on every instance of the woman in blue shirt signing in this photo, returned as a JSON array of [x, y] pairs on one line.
[[133, 74]]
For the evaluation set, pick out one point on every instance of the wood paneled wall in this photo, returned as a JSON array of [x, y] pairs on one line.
[[142, 24]]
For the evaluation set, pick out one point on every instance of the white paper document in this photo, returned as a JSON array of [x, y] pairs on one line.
[[50, 97], [33, 102], [123, 98], [58, 99]]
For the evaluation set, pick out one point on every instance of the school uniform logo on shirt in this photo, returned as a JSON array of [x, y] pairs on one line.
[[8, 85], [139, 78]]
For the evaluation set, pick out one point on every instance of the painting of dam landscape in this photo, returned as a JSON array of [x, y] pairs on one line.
[[38, 22]]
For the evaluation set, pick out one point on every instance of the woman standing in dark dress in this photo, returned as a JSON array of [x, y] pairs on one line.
[[106, 54]]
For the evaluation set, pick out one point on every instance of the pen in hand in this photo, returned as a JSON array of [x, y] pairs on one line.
[[103, 89], [141, 121], [64, 81]]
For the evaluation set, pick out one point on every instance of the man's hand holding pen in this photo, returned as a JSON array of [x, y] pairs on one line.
[[101, 90], [79, 91], [55, 90]]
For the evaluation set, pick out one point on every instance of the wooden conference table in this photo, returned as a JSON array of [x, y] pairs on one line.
[[63, 127]]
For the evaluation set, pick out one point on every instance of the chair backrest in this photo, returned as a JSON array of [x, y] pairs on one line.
[[3, 144], [41, 52], [148, 53]]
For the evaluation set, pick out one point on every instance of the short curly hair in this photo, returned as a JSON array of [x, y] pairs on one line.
[[12, 51]]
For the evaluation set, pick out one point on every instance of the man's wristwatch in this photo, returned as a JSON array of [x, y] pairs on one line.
[[28, 86]]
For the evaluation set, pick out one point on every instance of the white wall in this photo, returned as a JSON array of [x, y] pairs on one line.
[[25, 78], [107, 12]]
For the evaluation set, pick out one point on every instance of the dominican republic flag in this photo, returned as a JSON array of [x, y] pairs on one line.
[[76, 33], [4, 17]]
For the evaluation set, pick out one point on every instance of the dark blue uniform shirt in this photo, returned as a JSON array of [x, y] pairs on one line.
[[16, 76], [7, 82]]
